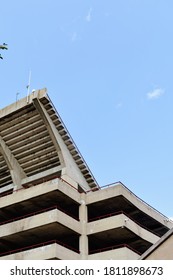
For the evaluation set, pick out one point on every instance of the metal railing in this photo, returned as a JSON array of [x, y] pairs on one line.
[[137, 197]]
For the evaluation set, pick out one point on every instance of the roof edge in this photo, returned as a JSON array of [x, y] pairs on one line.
[[22, 102]]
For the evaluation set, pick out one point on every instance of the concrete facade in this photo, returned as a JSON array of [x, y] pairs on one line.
[[162, 249], [51, 206]]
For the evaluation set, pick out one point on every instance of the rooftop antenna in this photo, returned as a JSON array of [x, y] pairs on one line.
[[28, 86], [17, 96]]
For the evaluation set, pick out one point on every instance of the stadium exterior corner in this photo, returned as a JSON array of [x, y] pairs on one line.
[[51, 206]]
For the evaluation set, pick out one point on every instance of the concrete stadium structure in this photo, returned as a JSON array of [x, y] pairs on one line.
[[51, 206], [162, 249]]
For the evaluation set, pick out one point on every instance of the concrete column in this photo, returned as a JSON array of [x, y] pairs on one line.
[[83, 240], [16, 171]]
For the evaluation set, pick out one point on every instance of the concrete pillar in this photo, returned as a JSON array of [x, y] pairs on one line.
[[16, 171], [83, 239]]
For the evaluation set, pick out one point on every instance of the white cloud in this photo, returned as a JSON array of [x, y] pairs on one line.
[[156, 93], [88, 17]]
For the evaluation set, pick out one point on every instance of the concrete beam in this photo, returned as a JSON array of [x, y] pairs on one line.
[[115, 254], [6, 188], [39, 220], [41, 189], [50, 128], [71, 171], [45, 252], [16, 171], [83, 239], [39, 176], [120, 221], [119, 189], [27, 194]]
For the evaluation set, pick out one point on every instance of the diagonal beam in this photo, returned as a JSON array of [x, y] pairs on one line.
[[70, 170], [50, 128], [16, 171]]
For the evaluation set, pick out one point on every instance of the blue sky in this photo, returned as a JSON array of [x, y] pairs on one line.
[[108, 69]]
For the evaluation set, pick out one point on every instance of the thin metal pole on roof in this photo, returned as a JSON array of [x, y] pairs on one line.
[[17, 95], [28, 86]]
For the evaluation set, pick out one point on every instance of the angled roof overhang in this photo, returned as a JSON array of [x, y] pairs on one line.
[[34, 142]]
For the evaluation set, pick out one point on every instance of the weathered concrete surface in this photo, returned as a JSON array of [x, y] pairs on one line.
[[162, 249], [42, 165], [52, 251], [117, 222], [115, 254], [119, 189], [39, 220], [22, 102]]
